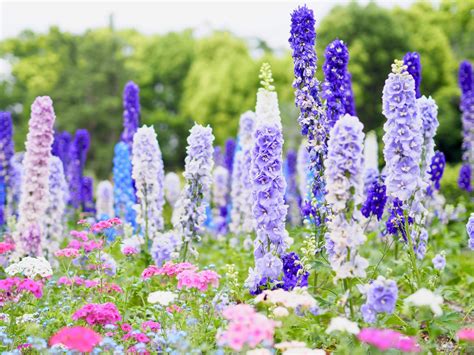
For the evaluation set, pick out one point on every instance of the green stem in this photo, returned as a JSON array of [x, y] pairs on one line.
[[411, 251]]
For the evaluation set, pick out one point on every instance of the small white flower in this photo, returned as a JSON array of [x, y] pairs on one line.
[[424, 297], [31, 267], [162, 297], [258, 352], [342, 324], [280, 312]]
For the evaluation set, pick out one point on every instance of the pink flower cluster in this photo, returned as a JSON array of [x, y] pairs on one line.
[[246, 327], [67, 253], [79, 281], [151, 325], [200, 280], [102, 225], [168, 269], [88, 246], [5, 247], [12, 287], [129, 250], [97, 313], [384, 339], [76, 338], [186, 274], [466, 334]]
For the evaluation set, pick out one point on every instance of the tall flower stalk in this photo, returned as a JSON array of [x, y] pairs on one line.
[[466, 84], [75, 170], [337, 86], [220, 189], [131, 112], [148, 174], [242, 219], [292, 196], [192, 203], [403, 153], [344, 182], [54, 219], [124, 193], [61, 147], [29, 236], [87, 195], [269, 185], [6, 153], [312, 117]]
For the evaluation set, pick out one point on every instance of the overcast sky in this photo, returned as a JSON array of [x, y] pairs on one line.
[[268, 20]]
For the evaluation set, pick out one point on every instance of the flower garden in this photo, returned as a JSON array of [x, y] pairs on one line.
[[253, 248]]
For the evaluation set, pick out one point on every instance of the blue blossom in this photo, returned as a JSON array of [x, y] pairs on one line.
[[88, 194], [420, 244], [230, 146], [427, 110], [292, 197], [75, 169], [6, 153], [293, 273], [436, 170], [124, 194], [337, 87], [413, 64], [376, 199], [465, 178], [396, 219], [382, 295], [470, 231], [164, 245], [61, 146], [439, 262], [403, 135]]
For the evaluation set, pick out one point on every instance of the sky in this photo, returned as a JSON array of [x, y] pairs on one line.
[[268, 20]]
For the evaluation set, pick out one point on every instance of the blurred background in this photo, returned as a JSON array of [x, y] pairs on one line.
[[199, 61]]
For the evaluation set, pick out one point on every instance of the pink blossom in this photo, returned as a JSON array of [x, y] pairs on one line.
[[91, 245], [466, 334], [6, 247], [67, 253], [153, 326], [75, 244], [76, 338], [82, 222], [126, 327], [246, 327], [34, 287], [141, 338], [79, 235], [384, 339], [96, 313], [200, 280], [129, 250], [174, 308]]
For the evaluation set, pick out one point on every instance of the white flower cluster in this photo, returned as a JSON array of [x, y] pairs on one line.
[[105, 200], [30, 267], [172, 188], [426, 298], [54, 219], [341, 324], [299, 298], [165, 298], [148, 174], [242, 219]]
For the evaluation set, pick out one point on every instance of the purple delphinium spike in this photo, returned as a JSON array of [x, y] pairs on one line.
[[6, 153], [436, 170], [413, 63], [35, 186], [427, 110], [312, 117], [220, 188], [382, 295], [87, 194], [131, 112], [191, 213], [467, 109], [376, 199], [344, 183], [337, 86], [77, 155], [268, 184], [229, 154], [470, 231], [61, 147]]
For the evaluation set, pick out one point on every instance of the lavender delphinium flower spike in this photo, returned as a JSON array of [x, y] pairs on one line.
[[230, 146], [436, 170], [105, 200], [337, 86], [344, 183], [35, 186], [14, 186], [192, 203], [412, 61], [124, 193], [382, 295], [242, 219], [75, 169], [54, 219], [312, 114], [466, 83], [470, 231], [268, 186], [148, 174], [6, 153], [427, 110], [131, 112], [302, 168]]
